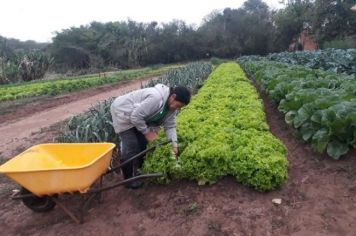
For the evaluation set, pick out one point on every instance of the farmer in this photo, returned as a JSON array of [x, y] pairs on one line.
[[137, 117]]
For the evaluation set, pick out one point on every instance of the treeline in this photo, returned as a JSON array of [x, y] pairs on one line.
[[251, 29]]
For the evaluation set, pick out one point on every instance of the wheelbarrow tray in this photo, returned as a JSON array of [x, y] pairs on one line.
[[48, 169]]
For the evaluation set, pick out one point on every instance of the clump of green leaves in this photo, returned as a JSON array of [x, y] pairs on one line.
[[321, 105], [191, 76], [223, 131], [337, 60], [93, 126]]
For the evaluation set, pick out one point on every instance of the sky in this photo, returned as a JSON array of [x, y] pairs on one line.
[[39, 19]]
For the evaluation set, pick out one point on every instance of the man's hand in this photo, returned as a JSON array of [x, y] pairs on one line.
[[151, 136], [175, 152]]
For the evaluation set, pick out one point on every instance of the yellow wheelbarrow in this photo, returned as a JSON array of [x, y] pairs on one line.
[[46, 171]]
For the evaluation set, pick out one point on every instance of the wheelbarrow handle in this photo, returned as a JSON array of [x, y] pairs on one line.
[[138, 155], [138, 177]]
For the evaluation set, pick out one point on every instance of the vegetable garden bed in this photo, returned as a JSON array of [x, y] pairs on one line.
[[321, 105], [223, 131], [55, 87]]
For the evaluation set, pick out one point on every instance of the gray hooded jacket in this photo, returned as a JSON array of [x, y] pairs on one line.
[[135, 108]]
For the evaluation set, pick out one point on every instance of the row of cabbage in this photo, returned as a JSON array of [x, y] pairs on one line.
[[223, 131], [336, 60], [96, 124], [321, 105]]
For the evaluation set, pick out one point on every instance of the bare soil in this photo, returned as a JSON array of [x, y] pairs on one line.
[[318, 199], [19, 123]]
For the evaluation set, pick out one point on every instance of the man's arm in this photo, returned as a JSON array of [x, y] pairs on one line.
[[170, 129]]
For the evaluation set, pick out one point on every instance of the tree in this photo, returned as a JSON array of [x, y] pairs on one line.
[[234, 32], [334, 19], [289, 22]]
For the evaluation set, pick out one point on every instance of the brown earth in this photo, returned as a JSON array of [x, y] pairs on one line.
[[17, 124], [318, 199]]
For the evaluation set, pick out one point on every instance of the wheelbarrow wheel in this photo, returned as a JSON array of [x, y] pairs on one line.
[[37, 204]]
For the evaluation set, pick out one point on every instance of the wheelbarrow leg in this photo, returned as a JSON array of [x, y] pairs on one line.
[[100, 194], [82, 208], [67, 211], [85, 204]]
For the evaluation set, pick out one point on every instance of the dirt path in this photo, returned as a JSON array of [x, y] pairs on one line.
[[318, 199], [18, 125]]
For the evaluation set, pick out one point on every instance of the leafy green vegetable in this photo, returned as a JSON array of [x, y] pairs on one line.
[[320, 105], [336, 60], [223, 131]]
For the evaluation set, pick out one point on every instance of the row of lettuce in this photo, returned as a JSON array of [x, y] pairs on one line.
[[223, 131], [321, 105], [55, 87], [335, 60]]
